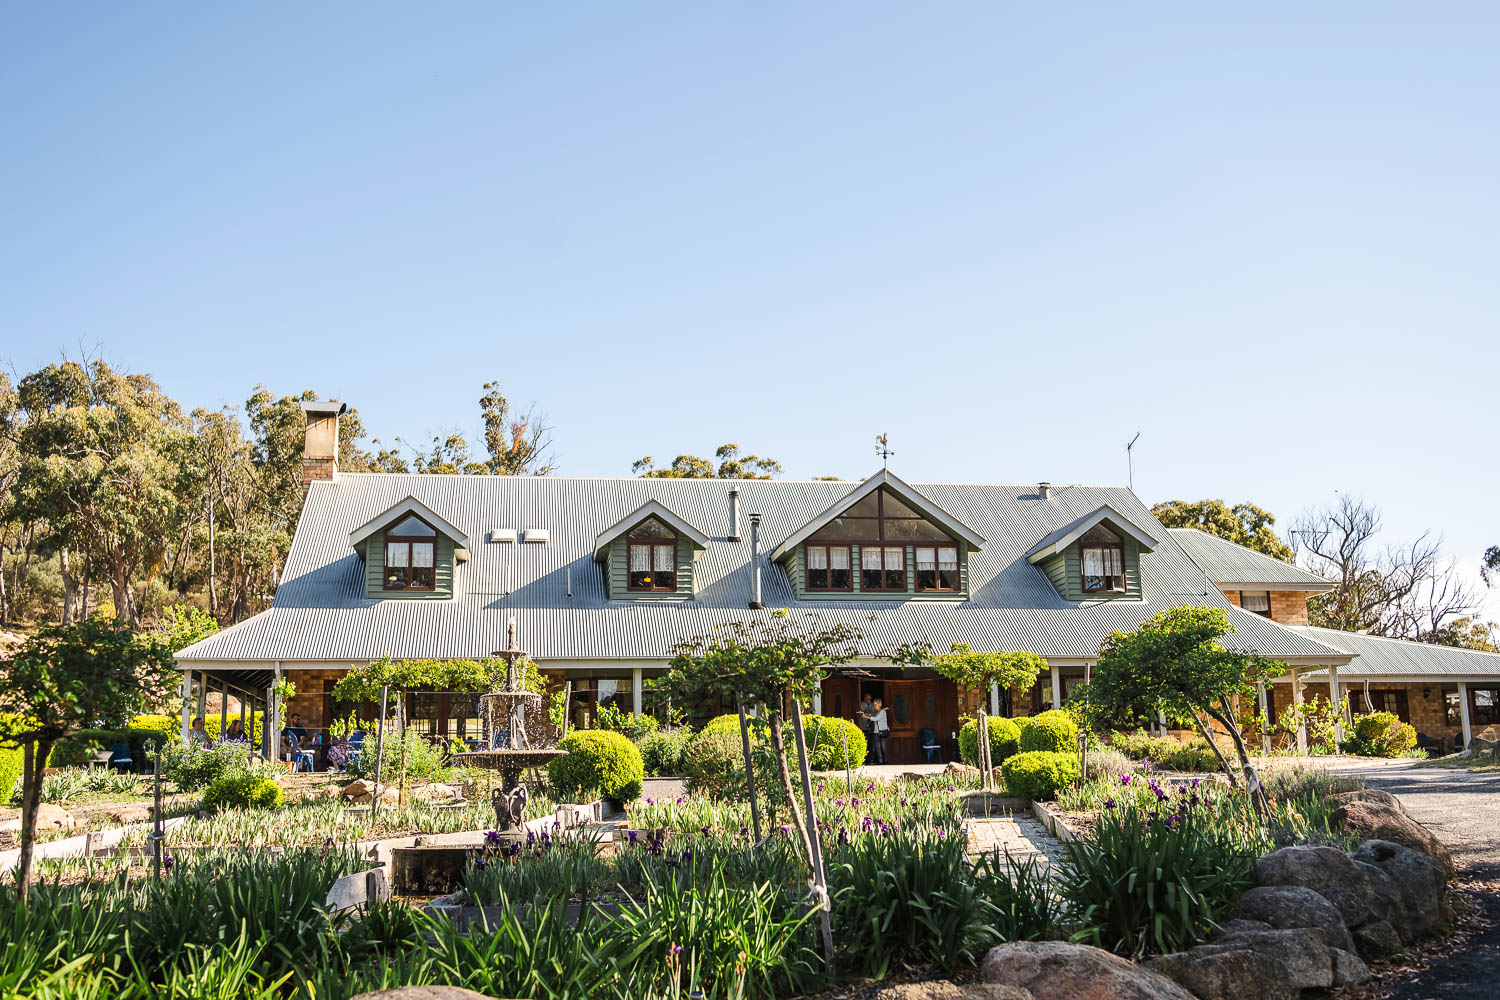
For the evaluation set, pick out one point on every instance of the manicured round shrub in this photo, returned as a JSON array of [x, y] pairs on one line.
[[724, 724], [827, 738], [1038, 774], [1052, 731], [661, 751], [598, 761], [243, 791], [712, 760], [1004, 737]]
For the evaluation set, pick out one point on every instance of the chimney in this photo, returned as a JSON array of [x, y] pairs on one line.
[[755, 602], [1041, 490], [734, 513], [320, 449]]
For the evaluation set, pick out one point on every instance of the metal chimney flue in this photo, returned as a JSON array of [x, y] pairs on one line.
[[734, 513], [755, 601], [1041, 490]]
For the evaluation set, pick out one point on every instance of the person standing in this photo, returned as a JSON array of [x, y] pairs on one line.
[[866, 720], [880, 723]]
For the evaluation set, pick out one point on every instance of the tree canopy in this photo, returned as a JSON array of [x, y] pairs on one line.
[[731, 465], [1244, 523]]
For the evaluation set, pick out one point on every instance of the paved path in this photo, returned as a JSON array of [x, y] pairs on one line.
[[1020, 835]]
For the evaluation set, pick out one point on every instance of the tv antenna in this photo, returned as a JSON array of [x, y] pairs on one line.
[[882, 442], [1130, 460]]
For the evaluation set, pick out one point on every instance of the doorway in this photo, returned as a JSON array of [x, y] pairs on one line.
[[911, 707]]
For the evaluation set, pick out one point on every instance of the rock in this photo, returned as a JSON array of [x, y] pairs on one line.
[[1301, 952], [1385, 898], [1325, 870], [944, 990], [961, 770], [1237, 925], [130, 814], [1372, 820], [424, 993], [1420, 882], [1288, 906], [390, 795], [1376, 940], [1348, 970], [1054, 970], [1235, 974], [1367, 795], [54, 817], [356, 791], [435, 793]]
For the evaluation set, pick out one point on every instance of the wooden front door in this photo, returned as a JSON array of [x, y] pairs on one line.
[[912, 706], [841, 698]]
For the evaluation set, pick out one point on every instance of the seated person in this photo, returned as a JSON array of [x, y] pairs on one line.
[[198, 736], [235, 733]]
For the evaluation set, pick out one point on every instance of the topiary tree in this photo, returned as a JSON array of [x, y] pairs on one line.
[[978, 671], [1175, 664], [598, 760], [88, 674], [1053, 731], [1005, 737], [1038, 774]]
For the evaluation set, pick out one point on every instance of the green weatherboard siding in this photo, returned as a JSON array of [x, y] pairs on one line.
[[375, 573], [1065, 570], [617, 565]]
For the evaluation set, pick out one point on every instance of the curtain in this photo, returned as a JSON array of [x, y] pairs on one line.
[[421, 554], [895, 558], [948, 558], [395, 555], [817, 558], [926, 559], [869, 557], [666, 558], [1093, 562], [838, 558], [640, 558]]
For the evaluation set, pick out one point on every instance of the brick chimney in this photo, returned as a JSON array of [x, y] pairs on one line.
[[320, 450]]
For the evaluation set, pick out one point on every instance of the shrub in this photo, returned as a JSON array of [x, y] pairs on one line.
[[634, 727], [661, 751], [1141, 745], [1038, 774], [191, 768], [1053, 731], [1380, 734], [725, 724], [424, 761], [1004, 736], [598, 761], [242, 791], [1108, 765], [1194, 756], [827, 738], [1146, 883], [12, 759], [712, 761]]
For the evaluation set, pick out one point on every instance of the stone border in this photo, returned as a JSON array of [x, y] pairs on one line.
[[1053, 821], [83, 845]]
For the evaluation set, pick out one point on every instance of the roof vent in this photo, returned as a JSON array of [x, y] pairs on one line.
[[1041, 490], [502, 534], [536, 536]]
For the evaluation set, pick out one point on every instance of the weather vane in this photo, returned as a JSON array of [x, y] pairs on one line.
[[881, 449]]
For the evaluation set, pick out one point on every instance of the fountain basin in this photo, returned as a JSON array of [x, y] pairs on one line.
[[506, 761]]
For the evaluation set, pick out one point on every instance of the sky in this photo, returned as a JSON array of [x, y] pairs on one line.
[[1009, 237]]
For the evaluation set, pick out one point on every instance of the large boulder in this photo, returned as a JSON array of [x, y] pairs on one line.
[[435, 793], [53, 817], [130, 814], [1301, 952], [1367, 795], [1376, 940], [1349, 970], [1385, 898], [1371, 820], [357, 792], [1233, 974], [941, 989], [1291, 906], [1325, 870], [1055, 970], [1420, 882]]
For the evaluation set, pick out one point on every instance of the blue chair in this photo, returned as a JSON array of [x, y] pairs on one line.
[[356, 751], [932, 750], [302, 759], [120, 759]]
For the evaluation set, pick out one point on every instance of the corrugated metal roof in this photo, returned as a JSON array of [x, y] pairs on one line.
[[1378, 656], [320, 612], [1226, 562]]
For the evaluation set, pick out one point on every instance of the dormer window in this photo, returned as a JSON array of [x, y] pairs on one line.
[[653, 557], [1102, 556], [937, 567], [410, 550]]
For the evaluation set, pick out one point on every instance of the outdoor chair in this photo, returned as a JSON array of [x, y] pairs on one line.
[[932, 750], [1425, 742], [356, 752], [120, 759]]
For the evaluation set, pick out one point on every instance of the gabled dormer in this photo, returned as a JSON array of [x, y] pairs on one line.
[[1095, 558], [882, 541], [410, 552], [649, 555]]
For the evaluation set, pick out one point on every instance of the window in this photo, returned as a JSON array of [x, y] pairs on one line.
[[828, 568], [873, 523], [937, 568], [653, 557], [1258, 601], [410, 555], [1485, 709], [1103, 559]]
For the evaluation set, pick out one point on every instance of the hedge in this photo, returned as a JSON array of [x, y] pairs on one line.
[[243, 791], [599, 761], [827, 737], [12, 759], [1004, 734], [1053, 731], [1038, 774]]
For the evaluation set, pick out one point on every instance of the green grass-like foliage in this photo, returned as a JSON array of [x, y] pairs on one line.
[[712, 761], [243, 791], [1053, 731], [1153, 880], [598, 761], [1005, 736], [1038, 774], [661, 751]]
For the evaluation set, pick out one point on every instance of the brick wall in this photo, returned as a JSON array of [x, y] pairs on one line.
[[311, 700], [1426, 715], [1289, 607]]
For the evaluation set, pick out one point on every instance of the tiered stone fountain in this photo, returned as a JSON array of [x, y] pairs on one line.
[[518, 736]]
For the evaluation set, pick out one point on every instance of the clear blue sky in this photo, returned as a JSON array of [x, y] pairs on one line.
[[1010, 237]]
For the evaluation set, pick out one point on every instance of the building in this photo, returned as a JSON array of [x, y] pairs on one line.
[[603, 576]]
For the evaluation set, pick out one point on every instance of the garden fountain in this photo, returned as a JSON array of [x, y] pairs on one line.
[[518, 735]]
